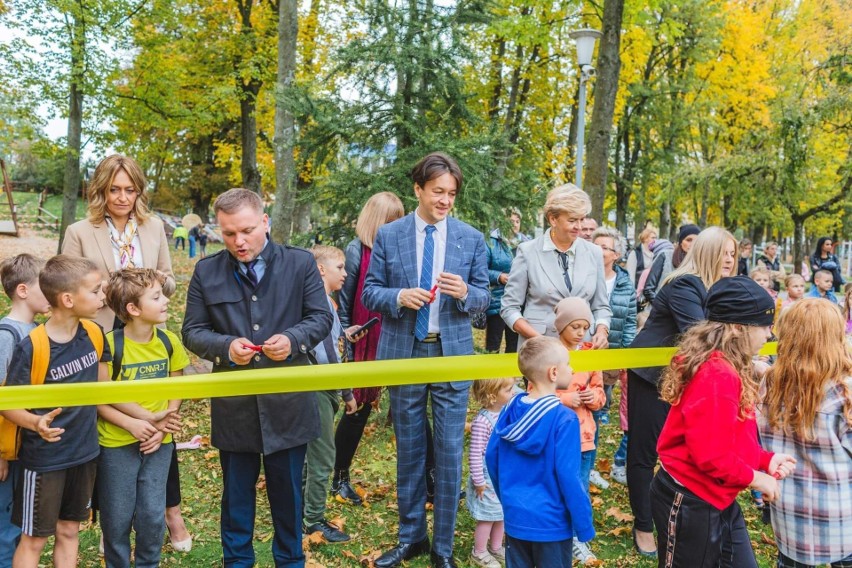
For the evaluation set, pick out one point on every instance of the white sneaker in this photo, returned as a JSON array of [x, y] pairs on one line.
[[597, 480], [619, 474], [484, 560], [582, 552]]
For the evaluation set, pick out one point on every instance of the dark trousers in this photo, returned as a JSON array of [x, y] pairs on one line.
[[528, 554], [348, 435], [692, 533], [646, 414], [495, 328], [240, 472]]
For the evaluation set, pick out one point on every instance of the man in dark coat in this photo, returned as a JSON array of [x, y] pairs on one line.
[[256, 305]]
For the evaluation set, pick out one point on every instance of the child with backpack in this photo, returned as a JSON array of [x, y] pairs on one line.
[[19, 276], [58, 447], [135, 439]]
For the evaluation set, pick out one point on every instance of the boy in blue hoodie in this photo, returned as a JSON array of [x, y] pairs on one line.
[[534, 462]]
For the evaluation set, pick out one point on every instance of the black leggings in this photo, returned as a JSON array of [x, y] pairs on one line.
[[173, 481], [348, 435], [646, 414]]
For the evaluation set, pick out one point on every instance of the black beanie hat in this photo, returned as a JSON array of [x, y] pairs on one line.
[[739, 300], [686, 230]]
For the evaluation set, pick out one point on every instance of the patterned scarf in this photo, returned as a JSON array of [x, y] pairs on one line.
[[123, 242]]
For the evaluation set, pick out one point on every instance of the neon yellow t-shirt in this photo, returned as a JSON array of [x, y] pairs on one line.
[[142, 361]]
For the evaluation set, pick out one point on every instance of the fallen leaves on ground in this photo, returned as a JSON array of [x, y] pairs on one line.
[[618, 515]]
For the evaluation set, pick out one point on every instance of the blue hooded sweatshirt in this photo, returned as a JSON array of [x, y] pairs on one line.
[[534, 464]]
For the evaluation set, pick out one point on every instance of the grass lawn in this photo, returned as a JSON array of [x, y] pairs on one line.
[[373, 527]]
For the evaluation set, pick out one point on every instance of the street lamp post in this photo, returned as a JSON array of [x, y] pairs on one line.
[[585, 39]]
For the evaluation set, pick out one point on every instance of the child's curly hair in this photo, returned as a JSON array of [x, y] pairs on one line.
[[485, 391], [695, 348]]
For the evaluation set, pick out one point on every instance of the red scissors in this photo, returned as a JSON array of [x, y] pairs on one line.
[[433, 292], [255, 348]]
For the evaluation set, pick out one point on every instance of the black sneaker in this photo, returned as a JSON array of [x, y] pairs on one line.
[[344, 492], [766, 514], [329, 532]]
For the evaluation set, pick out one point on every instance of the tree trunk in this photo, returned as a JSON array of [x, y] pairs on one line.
[[248, 91], [71, 184], [284, 140], [606, 87], [798, 244], [248, 135]]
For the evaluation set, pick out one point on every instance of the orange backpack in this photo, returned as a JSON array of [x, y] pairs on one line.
[[10, 433]]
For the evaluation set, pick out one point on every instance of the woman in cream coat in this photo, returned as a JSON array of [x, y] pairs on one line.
[[537, 280], [120, 232]]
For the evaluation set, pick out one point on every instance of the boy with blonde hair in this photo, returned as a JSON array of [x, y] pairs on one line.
[[19, 276], [534, 461], [319, 462], [136, 439], [59, 447]]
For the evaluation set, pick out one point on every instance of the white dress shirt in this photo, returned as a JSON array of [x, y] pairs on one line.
[[439, 237]]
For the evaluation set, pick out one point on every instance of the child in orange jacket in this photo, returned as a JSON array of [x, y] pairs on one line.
[[585, 394]]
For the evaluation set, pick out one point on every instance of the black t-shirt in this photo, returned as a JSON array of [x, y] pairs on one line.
[[73, 362]]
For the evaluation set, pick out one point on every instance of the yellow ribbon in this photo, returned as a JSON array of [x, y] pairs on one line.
[[320, 377]]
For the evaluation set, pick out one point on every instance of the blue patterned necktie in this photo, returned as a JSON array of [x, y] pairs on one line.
[[250, 273], [421, 325]]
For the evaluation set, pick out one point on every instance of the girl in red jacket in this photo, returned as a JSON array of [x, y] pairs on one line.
[[708, 448]]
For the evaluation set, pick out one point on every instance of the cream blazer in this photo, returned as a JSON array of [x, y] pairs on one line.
[[92, 241]]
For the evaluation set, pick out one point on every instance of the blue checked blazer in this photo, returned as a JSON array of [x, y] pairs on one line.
[[393, 266]]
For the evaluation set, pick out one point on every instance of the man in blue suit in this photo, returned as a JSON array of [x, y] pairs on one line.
[[425, 251]]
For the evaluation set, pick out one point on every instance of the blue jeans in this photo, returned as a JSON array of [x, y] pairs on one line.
[[240, 471], [10, 534], [527, 554], [132, 494], [620, 458], [191, 247]]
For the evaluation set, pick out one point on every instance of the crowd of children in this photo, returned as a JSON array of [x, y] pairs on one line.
[[531, 452]]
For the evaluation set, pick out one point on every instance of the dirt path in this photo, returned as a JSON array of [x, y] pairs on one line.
[[29, 241]]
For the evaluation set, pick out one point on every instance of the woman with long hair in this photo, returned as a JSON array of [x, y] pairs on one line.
[[824, 259], [380, 209], [709, 451], [807, 412], [120, 232], [676, 308]]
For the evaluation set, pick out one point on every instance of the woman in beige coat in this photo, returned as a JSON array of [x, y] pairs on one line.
[[120, 232]]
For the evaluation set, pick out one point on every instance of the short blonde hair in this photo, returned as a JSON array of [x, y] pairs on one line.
[[380, 209], [791, 277], [647, 234], [485, 391], [760, 271], [325, 253], [126, 286], [567, 198], [235, 199], [64, 273], [538, 354], [706, 256], [102, 181]]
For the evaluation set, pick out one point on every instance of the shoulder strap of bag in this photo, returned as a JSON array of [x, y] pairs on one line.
[[117, 352], [41, 355], [118, 349]]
